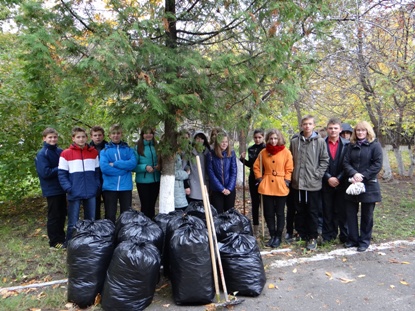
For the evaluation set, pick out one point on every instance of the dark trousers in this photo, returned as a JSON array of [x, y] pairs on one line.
[[307, 205], [148, 194], [222, 202], [255, 199], [366, 222], [290, 202], [57, 211], [111, 199], [274, 207], [334, 214], [98, 201]]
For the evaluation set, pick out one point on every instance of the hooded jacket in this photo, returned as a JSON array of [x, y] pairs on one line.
[[180, 200], [46, 162], [117, 177], [194, 180], [310, 162], [79, 172], [367, 160], [221, 171]]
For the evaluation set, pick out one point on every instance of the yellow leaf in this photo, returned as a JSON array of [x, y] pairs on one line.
[[392, 286], [166, 305], [344, 280], [361, 276], [404, 283], [271, 286], [344, 259], [295, 270], [405, 263], [329, 274]]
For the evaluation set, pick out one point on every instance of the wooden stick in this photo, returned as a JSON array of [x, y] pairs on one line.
[[209, 228], [262, 200]]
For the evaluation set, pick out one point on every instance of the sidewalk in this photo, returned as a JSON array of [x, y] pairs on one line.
[[382, 278]]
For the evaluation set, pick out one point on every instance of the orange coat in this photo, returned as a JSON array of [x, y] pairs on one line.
[[276, 169]]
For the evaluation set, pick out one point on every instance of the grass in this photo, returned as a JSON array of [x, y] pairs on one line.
[[25, 257]]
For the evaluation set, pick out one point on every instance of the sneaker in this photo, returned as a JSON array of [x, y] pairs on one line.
[[58, 246], [312, 245]]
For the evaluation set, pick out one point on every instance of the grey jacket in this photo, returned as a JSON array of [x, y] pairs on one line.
[[194, 179], [310, 162], [180, 200]]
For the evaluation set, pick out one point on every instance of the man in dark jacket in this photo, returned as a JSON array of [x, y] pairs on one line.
[[310, 163], [46, 161], [334, 185], [98, 142]]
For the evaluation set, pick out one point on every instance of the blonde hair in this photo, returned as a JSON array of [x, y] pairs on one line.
[[371, 136]]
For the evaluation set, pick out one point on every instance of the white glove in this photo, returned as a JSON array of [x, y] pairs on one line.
[[356, 188]]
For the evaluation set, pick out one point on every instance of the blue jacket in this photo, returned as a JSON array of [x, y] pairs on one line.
[[149, 158], [46, 162], [117, 177], [221, 172], [79, 172]]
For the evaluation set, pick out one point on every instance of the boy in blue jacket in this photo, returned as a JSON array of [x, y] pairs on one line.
[[46, 162], [79, 177], [117, 160]]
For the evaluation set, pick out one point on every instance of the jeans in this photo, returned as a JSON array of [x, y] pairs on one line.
[[73, 213]]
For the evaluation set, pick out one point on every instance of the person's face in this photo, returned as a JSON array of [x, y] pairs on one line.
[[333, 131], [51, 139], [199, 140], [346, 135], [80, 139], [308, 126], [224, 143], [273, 140], [97, 137], [148, 135], [116, 137], [258, 139], [361, 133]]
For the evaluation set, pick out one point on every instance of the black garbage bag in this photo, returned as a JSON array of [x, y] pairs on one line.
[[132, 277], [175, 223], [162, 220], [89, 254], [148, 231], [227, 224], [247, 227], [197, 209], [242, 265], [129, 217], [191, 266]]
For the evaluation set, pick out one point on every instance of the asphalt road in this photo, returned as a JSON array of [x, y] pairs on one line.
[[382, 278]]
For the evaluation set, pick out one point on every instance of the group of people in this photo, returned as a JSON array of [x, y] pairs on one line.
[[311, 178], [86, 173]]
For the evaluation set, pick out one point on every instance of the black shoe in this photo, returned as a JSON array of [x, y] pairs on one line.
[[362, 248], [350, 244], [269, 243], [276, 243]]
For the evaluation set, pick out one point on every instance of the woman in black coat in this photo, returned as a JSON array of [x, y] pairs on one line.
[[362, 163]]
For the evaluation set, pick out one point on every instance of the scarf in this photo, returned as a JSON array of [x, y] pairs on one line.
[[273, 150], [361, 141]]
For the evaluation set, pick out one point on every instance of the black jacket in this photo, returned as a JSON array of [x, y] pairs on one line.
[[367, 160], [335, 168], [253, 153]]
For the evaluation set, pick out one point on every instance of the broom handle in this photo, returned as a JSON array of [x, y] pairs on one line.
[[215, 240], [209, 228]]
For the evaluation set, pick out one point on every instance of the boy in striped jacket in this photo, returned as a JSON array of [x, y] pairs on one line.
[[78, 173]]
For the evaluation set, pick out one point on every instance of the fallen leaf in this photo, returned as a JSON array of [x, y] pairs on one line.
[[295, 270], [41, 295], [404, 283], [361, 276], [271, 286], [329, 275], [97, 299], [166, 305], [344, 280], [405, 263], [392, 286], [344, 259]]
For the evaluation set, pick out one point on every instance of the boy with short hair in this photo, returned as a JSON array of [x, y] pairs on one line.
[[117, 161], [310, 163], [79, 177], [46, 161], [98, 142]]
